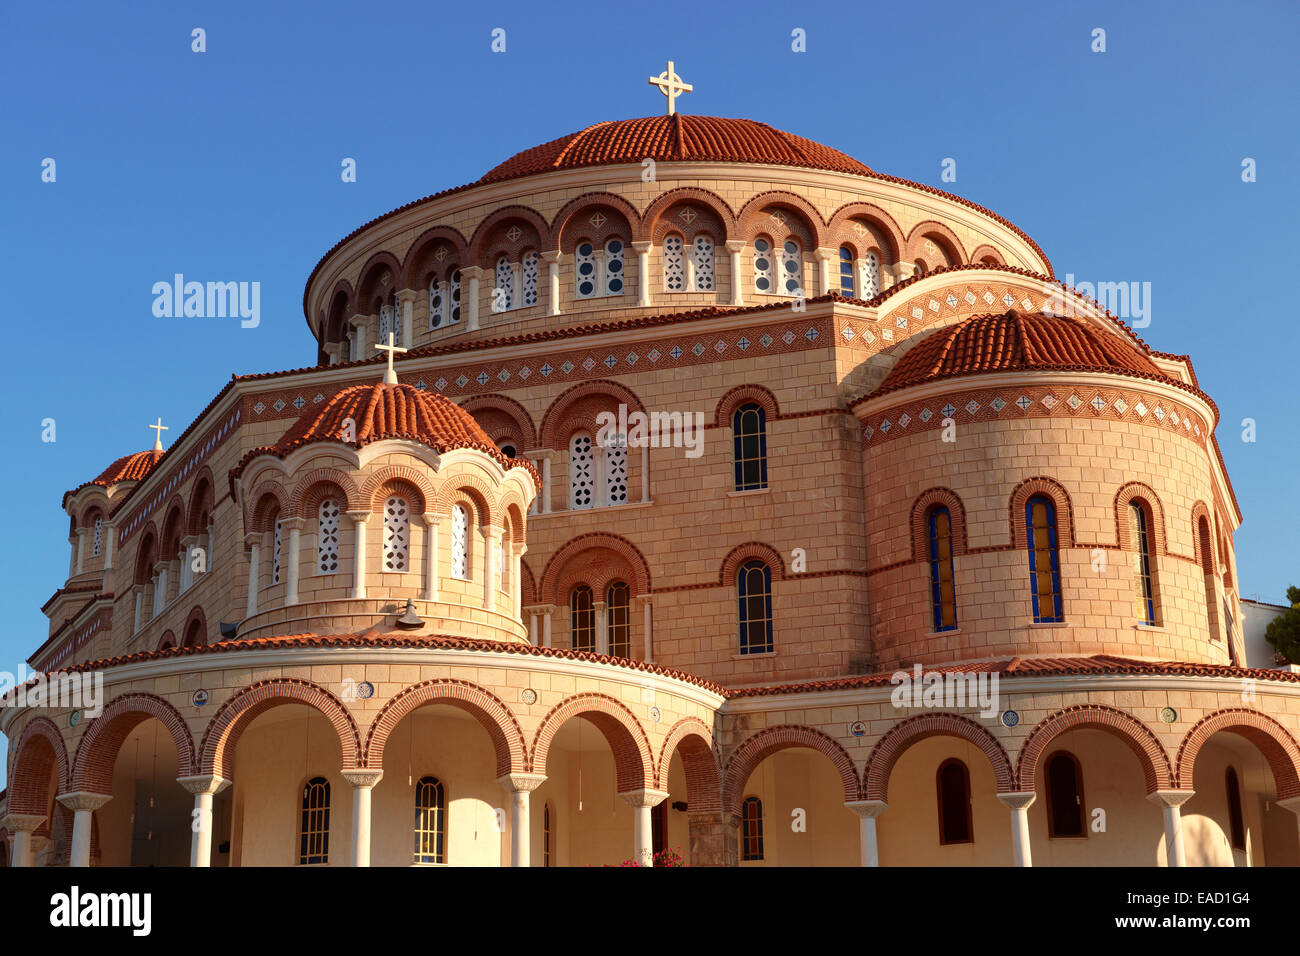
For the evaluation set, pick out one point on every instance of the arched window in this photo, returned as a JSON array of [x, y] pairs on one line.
[[791, 267], [1143, 579], [327, 537], [275, 553], [460, 542], [97, 544], [1207, 574], [529, 280], [1044, 559], [388, 323], [616, 471], [614, 283], [943, 590], [436, 303], [751, 829], [618, 619], [509, 450], [582, 624], [869, 273], [453, 295], [584, 272], [314, 833], [674, 265], [582, 472], [764, 273], [194, 636], [1065, 796], [749, 445], [702, 263], [1236, 822], [754, 593], [953, 783], [846, 270], [503, 290], [548, 836], [397, 534], [430, 821]]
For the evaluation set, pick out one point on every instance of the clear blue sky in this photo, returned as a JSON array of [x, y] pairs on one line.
[[1124, 165]]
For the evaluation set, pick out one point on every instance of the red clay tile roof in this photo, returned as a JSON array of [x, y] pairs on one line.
[[379, 412], [675, 138], [1016, 341], [127, 468]]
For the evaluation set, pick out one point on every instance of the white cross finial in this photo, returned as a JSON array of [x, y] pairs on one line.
[[390, 377], [157, 438], [671, 86]]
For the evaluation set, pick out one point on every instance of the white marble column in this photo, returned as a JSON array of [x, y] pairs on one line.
[[642, 802], [1019, 804], [602, 627], [735, 247], [552, 260], [254, 542], [473, 274], [358, 323], [359, 519], [83, 805], [139, 608], [406, 313], [109, 535], [363, 782], [533, 614], [867, 811], [519, 786], [22, 825], [516, 559], [647, 617], [598, 455], [546, 484], [204, 787], [642, 273], [294, 525], [547, 615], [81, 549], [1169, 802], [491, 565], [431, 522], [825, 258]]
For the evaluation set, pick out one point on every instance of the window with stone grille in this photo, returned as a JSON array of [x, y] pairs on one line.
[[584, 271], [453, 296], [327, 537], [582, 472], [618, 619], [702, 260], [582, 619], [460, 542], [275, 562], [397, 534], [529, 279], [314, 831], [436, 303], [791, 268], [749, 446], [616, 471], [614, 283], [751, 829], [97, 545], [764, 273], [503, 290], [430, 821], [674, 265], [754, 594], [869, 272]]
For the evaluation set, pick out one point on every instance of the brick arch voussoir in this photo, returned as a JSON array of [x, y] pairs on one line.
[[986, 250], [551, 574], [508, 743], [633, 761], [761, 745], [694, 739], [1139, 738], [942, 235], [751, 223], [416, 252], [896, 741], [554, 417], [1123, 533], [741, 395], [92, 506], [1041, 484], [458, 485], [665, 201], [376, 481], [527, 584], [174, 522], [1269, 737], [745, 552], [228, 723], [560, 224], [256, 517], [370, 274], [883, 221], [29, 773], [921, 535], [1201, 510], [509, 407], [97, 752], [310, 490], [327, 314], [477, 242], [204, 478]]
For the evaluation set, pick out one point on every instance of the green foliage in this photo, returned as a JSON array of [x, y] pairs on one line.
[[1284, 630]]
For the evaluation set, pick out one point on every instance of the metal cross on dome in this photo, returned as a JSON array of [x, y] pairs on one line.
[[671, 86], [390, 376], [157, 439]]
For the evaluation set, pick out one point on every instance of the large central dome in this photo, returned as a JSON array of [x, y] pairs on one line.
[[675, 138]]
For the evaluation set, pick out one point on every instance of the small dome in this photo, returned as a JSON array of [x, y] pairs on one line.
[[127, 468], [379, 412], [675, 138], [1015, 341]]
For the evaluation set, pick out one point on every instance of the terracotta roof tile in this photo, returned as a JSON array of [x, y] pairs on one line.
[[127, 468]]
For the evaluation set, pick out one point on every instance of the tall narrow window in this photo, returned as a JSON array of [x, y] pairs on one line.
[[1044, 559], [1064, 796], [1236, 822], [764, 274], [1144, 586], [460, 542], [943, 595], [791, 267], [702, 261], [754, 593], [453, 295], [548, 837], [749, 441], [503, 290], [674, 265], [614, 267], [397, 534], [953, 782], [430, 821], [582, 622], [1207, 574], [436, 302], [582, 472], [387, 323], [275, 554], [870, 275], [327, 537], [529, 279], [584, 271], [618, 619], [846, 271], [97, 546], [616, 471], [314, 832], [751, 829]]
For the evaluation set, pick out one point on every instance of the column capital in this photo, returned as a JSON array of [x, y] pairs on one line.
[[823, 253], [643, 797], [83, 800], [203, 783], [642, 245], [361, 514], [254, 539], [522, 782], [471, 272], [536, 610], [736, 245], [362, 777], [408, 295], [643, 600], [1170, 798], [867, 809], [25, 822], [1018, 799], [553, 257], [432, 517], [292, 524], [358, 320]]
